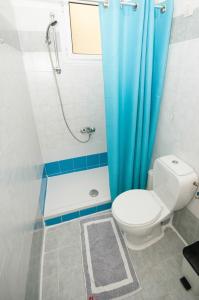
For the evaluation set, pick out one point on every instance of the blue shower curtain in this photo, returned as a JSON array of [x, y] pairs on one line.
[[134, 46]]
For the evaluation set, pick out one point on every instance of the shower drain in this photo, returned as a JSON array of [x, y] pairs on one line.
[[93, 193]]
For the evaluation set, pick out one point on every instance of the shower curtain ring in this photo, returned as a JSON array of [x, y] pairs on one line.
[[163, 9], [134, 5], [106, 3]]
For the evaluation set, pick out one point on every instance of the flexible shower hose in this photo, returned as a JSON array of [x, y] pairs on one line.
[[61, 102]]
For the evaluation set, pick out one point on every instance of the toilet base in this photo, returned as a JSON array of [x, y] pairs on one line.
[[140, 242]]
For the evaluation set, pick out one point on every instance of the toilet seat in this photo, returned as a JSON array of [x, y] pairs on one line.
[[136, 208]]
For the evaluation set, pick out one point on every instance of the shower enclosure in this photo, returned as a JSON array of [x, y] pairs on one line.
[[66, 90]]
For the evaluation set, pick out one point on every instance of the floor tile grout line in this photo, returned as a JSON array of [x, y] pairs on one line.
[[82, 261], [178, 234], [58, 284], [78, 223], [42, 264], [175, 232]]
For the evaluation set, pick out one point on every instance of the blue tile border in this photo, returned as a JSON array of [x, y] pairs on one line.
[[76, 164], [53, 168], [104, 206], [70, 216], [104, 159], [78, 214], [88, 211], [43, 189], [53, 221]]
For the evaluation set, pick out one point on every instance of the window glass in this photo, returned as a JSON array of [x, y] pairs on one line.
[[85, 28]]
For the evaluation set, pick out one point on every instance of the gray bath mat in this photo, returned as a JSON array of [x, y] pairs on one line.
[[108, 270]]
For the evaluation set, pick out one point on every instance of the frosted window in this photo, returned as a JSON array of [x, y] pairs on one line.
[[85, 28]]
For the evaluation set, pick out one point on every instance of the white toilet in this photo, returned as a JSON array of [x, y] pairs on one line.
[[139, 213]]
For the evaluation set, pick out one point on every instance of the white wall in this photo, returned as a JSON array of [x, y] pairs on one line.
[[178, 130], [81, 84], [20, 164]]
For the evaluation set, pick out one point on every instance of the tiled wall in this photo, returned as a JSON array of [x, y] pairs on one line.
[[185, 28], [76, 164], [187, 225], [178, 131], [78, 214], [20, 171], [43, 188], [81, 84]]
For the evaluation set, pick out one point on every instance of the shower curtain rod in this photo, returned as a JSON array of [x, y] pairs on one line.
[[134, 5]]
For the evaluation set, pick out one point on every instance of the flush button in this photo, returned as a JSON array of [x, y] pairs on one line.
[[174, 161]]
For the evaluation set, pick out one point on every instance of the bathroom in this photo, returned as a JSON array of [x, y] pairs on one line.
[[76, 221]]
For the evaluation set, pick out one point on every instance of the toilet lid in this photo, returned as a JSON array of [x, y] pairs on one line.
[[136, 207]]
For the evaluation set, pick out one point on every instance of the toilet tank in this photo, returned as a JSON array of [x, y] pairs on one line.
[[173, 182]]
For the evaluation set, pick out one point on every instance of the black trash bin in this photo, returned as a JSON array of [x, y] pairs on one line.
[[190, 267]]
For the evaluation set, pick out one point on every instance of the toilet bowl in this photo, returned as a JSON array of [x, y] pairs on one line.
[[139, 213]]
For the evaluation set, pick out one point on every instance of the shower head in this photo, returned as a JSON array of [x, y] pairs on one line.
[[52, 24]]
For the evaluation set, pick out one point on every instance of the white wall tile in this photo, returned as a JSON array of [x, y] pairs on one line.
[[178, 131], [81, 85], [20, 161], [181, 7]]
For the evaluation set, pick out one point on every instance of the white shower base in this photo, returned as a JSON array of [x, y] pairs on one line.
[[70, 192]]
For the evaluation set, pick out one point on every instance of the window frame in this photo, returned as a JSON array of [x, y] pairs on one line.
[[68, 35]]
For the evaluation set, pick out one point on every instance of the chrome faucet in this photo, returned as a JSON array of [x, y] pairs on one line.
[[88, 130]]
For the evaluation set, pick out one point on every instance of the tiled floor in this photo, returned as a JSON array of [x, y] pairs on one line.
[[158, 267], [63, 195]]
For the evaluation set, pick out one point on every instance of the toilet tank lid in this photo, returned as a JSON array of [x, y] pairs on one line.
[[176, 165]]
